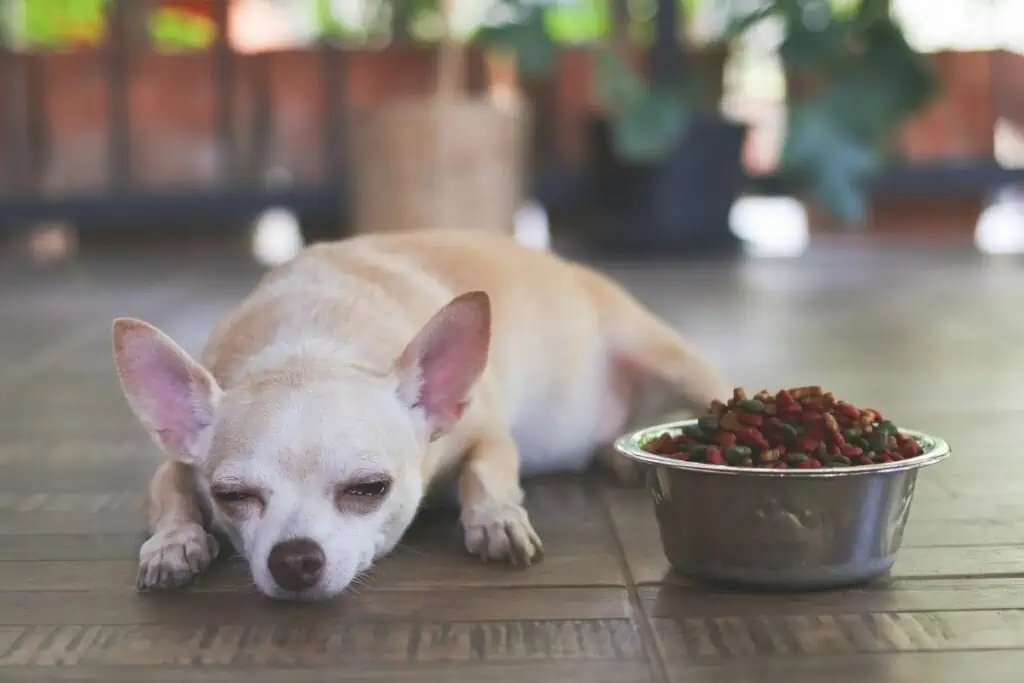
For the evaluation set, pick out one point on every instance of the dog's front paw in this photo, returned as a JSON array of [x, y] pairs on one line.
[[501, 531], [173, 557]]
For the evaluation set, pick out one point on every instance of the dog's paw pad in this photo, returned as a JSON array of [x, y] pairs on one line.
[[172, 558], [502, 532]]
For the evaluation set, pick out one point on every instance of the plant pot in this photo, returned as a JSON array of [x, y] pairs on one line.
[[674, 207], [438, 163]]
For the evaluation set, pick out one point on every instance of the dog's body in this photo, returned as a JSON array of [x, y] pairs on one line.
[[356, 375]]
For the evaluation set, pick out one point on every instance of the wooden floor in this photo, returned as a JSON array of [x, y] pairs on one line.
[[933, 337]]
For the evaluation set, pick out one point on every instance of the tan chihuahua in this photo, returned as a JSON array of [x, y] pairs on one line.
[[355, 376]]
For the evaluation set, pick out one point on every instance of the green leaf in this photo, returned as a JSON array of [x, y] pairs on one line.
[[529, 39], [807, 49], [833, 164], [737, 26], [618, 87], [652, 127]]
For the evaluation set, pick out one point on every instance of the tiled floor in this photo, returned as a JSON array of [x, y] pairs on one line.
[[933, 336]]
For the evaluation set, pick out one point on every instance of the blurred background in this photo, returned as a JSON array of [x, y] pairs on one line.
[[656, 127]]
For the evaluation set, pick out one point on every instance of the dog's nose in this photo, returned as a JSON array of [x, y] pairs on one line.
[[296, 564]]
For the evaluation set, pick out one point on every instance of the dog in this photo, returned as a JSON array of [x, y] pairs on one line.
[[361, 373]]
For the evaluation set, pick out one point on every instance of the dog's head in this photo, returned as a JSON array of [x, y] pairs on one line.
[[314, 472]]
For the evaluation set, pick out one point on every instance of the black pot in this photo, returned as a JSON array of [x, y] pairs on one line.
[[676, 207]]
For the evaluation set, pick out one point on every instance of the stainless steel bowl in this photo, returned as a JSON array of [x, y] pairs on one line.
[[780, 529]]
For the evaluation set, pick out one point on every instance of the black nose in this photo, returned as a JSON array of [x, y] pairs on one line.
[[296, 564]]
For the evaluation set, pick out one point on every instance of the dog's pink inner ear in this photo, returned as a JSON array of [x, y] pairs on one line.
[[171, 395], [440, 365]]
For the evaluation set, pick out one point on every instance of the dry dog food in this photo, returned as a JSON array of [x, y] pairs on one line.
[[802, 428]]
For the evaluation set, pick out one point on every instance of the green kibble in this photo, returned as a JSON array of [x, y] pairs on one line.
[[889, 426], [837, 461], [708, 422], [751, 404], [863, 443], [695, 449], [877, 439], [693, 430], [788, 430], [793, 458], [735, 455], [852, 434]]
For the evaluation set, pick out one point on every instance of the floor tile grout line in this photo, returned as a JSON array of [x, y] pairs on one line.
[[652, 648]]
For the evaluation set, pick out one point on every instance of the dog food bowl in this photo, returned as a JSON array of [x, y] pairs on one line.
[[775, 529]]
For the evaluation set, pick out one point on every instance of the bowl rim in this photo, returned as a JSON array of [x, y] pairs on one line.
[[935, 450]]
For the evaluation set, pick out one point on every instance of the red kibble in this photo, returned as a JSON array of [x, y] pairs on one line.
[[752, 437], [724, 438], [750, 419], [806, 443], [803, 420], [910, 450], [848, 410]]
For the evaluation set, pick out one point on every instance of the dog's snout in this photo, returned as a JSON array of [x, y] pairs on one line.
[[296, 564]]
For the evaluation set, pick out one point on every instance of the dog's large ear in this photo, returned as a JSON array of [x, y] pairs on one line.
[[171, 395], [442, 363]]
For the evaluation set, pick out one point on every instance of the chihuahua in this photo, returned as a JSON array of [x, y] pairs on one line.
[[361, 373]]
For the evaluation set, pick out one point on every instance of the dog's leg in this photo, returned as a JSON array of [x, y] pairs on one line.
[[178, 547], [495, 524]]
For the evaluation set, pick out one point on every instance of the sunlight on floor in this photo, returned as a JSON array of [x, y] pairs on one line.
[[770, 226]]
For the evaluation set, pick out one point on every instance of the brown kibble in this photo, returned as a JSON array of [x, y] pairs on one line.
[[732, 423], [831, 424], [658, 443], [771, 409], [771, 455], [718, 408], [801, 392], [764, 396], [738, 394]]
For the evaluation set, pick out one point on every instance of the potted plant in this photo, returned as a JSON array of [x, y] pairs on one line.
[[668, 166], [451, 159]]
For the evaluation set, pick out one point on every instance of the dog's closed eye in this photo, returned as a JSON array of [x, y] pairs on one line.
[[362, 496], [234, 497]]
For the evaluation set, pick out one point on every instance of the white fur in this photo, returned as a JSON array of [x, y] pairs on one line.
[[320, 379]]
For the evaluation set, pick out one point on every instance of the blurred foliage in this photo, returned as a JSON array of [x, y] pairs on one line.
[[859, 82], [853, 79], [63, 24]]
